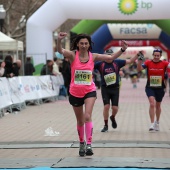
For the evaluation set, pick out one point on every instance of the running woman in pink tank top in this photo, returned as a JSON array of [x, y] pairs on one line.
[[82, 88]]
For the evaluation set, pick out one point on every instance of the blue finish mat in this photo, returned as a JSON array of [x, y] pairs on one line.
[[47, 168]]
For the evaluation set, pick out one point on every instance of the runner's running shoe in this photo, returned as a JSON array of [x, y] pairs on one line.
[[156, 126], [152, 127], [105, 129], [114, 124], [82, 149], [89, 151]]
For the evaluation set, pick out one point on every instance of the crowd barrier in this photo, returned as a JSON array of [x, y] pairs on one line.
[[16, 92]]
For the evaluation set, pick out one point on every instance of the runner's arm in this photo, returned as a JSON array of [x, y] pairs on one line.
[[66, 53], [102, 57]]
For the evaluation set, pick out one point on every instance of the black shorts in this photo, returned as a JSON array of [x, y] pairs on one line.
[[133, 75], [110, 93], [76, 101], [158, 93]]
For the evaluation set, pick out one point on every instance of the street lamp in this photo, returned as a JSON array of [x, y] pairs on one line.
[[2, 16]]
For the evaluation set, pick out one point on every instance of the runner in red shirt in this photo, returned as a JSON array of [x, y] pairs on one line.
[[155, 86]]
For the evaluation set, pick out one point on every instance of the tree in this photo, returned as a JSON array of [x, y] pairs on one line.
[[17, 13]]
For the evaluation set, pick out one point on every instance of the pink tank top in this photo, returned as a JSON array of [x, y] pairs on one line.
[[82, 77]]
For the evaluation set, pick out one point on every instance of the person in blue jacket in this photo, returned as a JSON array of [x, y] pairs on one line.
[[109, 70]]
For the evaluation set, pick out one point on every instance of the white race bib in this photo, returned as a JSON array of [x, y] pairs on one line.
[[155, 81], [83, 77], [110, 79]]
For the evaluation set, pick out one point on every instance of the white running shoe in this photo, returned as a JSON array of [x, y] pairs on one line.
[[152, 127], [156, 126]]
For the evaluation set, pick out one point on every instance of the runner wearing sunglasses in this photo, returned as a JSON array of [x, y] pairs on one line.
[[155, 86]]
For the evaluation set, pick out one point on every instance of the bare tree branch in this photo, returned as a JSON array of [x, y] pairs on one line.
[[15, 9], [19, 35]]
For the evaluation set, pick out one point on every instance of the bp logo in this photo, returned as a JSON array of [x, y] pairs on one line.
[[128, 7]]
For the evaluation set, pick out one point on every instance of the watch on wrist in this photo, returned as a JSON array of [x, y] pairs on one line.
[[122, 50]]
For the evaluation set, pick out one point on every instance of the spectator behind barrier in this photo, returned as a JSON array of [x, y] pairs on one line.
[[55, 69], [28, 67], [47, 68], [8, 67], [66, 72], [2, 68], [16, 67]]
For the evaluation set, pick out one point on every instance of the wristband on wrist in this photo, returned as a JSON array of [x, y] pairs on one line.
[[122, 50]]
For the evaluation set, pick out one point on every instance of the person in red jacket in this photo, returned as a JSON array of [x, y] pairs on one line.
[[155, 86]]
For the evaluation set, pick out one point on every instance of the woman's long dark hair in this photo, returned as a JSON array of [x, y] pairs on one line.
[[78, 38]]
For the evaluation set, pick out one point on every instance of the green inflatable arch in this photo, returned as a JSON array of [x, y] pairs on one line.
[[89, 26]]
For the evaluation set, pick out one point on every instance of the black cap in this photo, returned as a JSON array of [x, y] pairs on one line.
[[108, 51]]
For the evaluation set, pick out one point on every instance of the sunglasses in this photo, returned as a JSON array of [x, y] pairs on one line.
[[157, 50]]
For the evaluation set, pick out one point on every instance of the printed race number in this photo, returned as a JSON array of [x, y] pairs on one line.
[[110, 78], [83, 77], [155, 81]]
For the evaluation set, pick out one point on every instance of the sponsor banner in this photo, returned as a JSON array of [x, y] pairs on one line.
[[134, 31], [57, 82], [46, 87], [25, 88], [134, 43], [30, 87], [141, 9], [5, 98], [16, 91], [37, 87]]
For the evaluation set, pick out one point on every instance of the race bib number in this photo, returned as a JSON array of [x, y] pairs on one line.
[[83, 77], [155, 81], [110, 79]]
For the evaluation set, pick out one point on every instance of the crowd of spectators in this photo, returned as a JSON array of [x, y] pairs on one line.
[[58, 67], [9, 68]]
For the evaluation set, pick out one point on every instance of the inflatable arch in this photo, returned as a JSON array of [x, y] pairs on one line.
[[109, 32], [53, 13], [139, 43], [89, 26]]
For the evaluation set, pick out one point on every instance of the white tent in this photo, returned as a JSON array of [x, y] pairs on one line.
[[9, 44]]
